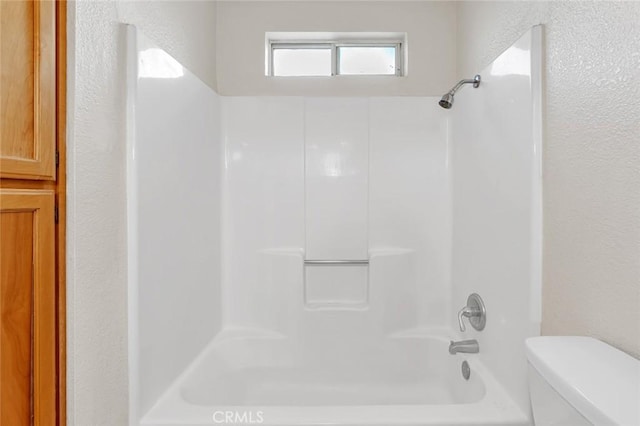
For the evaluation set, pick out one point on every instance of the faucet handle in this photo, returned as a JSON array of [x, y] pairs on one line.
[[462, 312], [475, 311]]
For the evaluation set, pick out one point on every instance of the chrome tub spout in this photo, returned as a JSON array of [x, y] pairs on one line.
[[464, 346]]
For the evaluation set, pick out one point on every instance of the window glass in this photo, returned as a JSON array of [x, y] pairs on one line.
[[376, 60], [301, 61]]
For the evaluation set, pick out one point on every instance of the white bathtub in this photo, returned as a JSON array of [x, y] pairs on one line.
[[271, 380]]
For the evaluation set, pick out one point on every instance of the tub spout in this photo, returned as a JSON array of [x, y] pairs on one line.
[[464, 346]]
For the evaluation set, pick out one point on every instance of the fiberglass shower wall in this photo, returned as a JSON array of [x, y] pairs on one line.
[[173, 209], [496, 160], [335, 179]]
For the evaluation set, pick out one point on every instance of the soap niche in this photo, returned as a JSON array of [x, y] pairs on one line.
[[336, 286]]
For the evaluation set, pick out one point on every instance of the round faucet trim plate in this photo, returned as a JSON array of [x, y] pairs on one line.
[[477, 321]]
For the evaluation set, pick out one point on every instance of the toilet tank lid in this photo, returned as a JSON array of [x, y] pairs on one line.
[[598, 380]]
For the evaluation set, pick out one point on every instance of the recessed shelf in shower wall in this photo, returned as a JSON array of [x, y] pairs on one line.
[[336, 285], [348, 284]]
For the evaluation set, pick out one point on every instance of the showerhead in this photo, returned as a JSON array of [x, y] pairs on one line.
[[446, 101]]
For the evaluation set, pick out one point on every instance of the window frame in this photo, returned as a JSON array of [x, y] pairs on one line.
[[335, 45]]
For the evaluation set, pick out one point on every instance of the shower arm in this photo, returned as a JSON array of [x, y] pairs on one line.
[[475, 81]]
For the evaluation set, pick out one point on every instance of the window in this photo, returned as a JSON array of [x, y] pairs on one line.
[[330, 58]]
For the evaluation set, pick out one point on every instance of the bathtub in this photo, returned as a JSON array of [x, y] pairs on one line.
[[278, 381]]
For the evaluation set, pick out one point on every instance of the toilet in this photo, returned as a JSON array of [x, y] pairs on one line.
[[575, 381]]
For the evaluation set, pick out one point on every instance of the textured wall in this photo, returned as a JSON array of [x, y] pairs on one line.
[[97, 286], [241, 52], [591, 155], [185, 29]]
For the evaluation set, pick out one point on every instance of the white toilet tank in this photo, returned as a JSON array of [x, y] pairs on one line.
[[576, 381]]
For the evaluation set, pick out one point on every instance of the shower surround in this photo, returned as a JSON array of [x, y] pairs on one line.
[[302, 260]]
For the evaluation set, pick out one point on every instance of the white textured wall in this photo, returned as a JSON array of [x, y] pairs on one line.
[[430, 28], [185, 29], [592, 177], [97, 286], [591, 155]]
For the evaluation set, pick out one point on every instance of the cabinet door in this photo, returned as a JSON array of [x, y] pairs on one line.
[[27, 89], [27, 308]]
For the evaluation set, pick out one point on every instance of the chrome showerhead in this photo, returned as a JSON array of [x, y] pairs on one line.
[[447, 100]]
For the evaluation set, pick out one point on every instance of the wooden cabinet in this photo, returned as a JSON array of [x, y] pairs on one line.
[[27, 89], [32, 212], [27, 308]]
